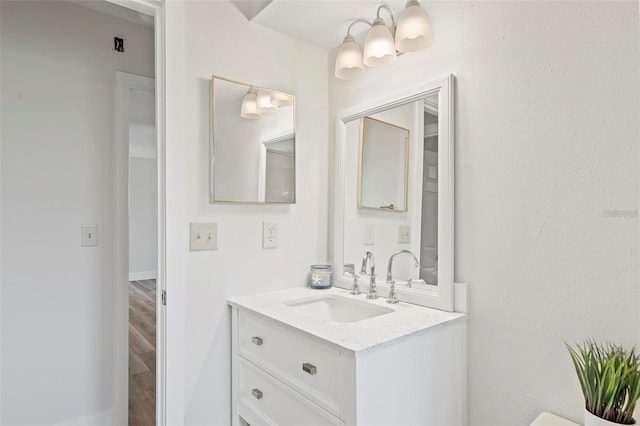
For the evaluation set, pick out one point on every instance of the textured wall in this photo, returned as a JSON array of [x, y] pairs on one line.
[[547, 133], [206, 38]]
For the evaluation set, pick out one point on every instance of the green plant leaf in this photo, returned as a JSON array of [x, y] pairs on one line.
[[609, 377]]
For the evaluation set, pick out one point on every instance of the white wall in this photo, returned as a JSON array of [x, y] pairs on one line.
[[143, 219], [547, 106], [58, 92], [206, 38], [143, 204]]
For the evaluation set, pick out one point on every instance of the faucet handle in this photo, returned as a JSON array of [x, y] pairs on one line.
[[355, 290], [393, 297]]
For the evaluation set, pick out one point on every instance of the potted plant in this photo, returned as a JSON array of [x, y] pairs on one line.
[[610, 379]]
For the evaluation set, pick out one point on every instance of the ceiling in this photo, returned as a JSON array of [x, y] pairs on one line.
[[320, 22], [117, 11]]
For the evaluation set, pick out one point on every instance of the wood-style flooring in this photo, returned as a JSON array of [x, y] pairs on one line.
[[142, 353]]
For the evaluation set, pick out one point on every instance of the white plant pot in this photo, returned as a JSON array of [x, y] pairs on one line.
[[593, 420]]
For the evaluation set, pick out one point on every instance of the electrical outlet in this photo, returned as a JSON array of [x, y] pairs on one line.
[[88, 235], [269, 234], [203, 236], [369, 234], [404, 232]]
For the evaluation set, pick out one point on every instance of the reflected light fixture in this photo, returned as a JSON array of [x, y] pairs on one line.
[[249, 107], [281, 99], [381, 47], [264, 102]]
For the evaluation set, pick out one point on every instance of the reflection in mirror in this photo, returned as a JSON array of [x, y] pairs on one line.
[[425, 226], [252, 144], [383, 165], [277, 170], [429, 222], [377, 230]]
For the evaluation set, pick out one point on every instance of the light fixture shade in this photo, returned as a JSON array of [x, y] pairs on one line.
[[413, 31], [379, 47], [281, 99], [249, 108], [264, 102], [349, 64]]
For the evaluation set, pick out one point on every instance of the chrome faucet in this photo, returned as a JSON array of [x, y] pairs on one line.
[[372, 274], [393, 297]]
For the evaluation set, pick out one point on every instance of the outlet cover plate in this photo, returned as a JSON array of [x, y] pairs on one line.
[[369, 234], [404, 234], [269, 234]]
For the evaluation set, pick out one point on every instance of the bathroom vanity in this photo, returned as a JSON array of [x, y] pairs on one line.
[[334, 357], [325, 357]]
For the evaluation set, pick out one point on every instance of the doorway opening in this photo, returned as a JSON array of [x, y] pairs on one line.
[[143, 247], [141, 319], [65, 170], [142, 352]]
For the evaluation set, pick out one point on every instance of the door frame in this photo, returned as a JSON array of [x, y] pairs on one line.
[[155, 9]]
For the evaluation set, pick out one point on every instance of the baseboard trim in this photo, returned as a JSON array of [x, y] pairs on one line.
[[148, 275], [97, 419]]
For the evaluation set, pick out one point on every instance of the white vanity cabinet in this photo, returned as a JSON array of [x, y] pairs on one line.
[[289, 370]]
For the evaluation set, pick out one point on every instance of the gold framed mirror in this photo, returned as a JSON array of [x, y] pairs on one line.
[[383, 166], [252, 149]]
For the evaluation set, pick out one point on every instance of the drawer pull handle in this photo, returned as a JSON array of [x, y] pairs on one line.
[[309, 368], [256, 340], [257, 393]]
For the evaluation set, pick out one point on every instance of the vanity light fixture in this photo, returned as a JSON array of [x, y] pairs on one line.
[[412, 33], [379, 46], [249, 108], [349, 62]]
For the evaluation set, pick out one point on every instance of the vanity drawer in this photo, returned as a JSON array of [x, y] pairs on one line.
[[304, 364], [263, 400]]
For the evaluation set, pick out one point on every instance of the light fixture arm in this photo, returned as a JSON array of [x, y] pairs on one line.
[[355, 22], [382, 6]]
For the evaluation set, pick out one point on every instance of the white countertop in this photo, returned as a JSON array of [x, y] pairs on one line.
[[549, 419], [368, 334]]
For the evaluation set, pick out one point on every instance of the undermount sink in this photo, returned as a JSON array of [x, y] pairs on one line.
[[337, 308]]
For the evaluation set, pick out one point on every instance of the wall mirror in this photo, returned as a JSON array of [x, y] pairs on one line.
[[425, 225], [383, 165], [252, 152]]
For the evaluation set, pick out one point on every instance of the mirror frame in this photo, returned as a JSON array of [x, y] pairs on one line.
[[211, 160], [440, 296], [361, 166]]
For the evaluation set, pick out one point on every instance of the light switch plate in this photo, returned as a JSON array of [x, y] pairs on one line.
[[432, 172], [369, 234], [269, 234], [88, 235], [404, 234], [203, 236]]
